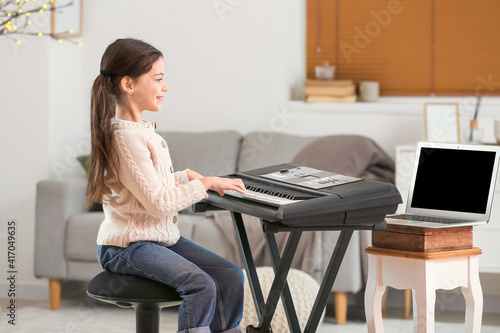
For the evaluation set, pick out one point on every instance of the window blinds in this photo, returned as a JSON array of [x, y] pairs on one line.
[[442, 47]]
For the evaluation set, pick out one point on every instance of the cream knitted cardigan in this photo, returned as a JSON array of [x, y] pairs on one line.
[[147, 195]]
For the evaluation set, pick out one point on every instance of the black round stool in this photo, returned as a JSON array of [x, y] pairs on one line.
[[146, 296]]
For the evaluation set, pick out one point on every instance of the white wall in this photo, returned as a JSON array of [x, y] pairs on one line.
[[68, 110], [232, 70], [24, 144], [222, 74]]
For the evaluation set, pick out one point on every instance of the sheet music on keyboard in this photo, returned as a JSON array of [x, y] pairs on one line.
[[310, 177]]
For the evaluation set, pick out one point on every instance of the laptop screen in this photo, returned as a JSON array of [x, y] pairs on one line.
[[453, 180]]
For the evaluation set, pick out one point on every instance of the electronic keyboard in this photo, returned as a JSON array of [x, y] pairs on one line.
[[297, 195]]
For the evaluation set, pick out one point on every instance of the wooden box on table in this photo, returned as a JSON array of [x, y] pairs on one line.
[[409, 238]]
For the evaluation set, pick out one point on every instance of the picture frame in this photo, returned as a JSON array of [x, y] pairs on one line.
[[66, 15], [442, 122]]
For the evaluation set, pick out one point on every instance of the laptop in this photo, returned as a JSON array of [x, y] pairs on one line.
[[452, 185]]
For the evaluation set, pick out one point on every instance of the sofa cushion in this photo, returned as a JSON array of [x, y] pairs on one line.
[[209, 153], [208, 235], [260, 149]]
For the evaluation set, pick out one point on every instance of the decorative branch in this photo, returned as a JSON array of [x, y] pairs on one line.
[[17, 16]]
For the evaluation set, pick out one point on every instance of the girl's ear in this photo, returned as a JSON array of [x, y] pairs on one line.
[[127, 84]]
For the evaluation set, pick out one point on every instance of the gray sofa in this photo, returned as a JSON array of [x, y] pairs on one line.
[[65, 238]]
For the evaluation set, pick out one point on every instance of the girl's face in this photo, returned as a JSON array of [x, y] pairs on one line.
[[149, 88]]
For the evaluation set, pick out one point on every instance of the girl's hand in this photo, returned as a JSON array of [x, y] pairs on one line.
[[222, 184]]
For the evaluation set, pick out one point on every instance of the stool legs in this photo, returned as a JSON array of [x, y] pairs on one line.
[[373, 297], [473, 295], [147, 318]]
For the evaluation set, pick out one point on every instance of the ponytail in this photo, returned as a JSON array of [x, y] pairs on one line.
[[102, 109], [124, 57]]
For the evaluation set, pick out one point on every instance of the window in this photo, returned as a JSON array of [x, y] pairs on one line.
[[441, 47]]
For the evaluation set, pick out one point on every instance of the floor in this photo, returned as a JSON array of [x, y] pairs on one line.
[[35, 316]]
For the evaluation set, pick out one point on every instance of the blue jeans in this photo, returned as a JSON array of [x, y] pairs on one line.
[[211, 287]]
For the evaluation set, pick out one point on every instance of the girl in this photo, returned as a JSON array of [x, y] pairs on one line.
[[131, 174]]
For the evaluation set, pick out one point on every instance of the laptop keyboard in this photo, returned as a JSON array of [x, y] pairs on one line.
[[432, 219]]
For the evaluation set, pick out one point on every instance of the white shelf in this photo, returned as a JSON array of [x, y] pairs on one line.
[[490, 107]]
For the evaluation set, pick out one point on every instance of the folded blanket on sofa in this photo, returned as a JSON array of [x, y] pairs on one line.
[[351, 155]]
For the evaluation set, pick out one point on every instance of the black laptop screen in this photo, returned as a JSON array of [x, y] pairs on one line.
[[453, 180]]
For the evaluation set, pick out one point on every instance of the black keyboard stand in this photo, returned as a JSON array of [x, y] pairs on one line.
[[281, 264]]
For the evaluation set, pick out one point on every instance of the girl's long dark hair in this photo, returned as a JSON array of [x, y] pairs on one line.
[[124, 57]]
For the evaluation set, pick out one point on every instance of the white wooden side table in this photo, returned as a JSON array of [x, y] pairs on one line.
[[423, 272]]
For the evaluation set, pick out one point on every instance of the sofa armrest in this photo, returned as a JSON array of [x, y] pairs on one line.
[[55, 201]]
